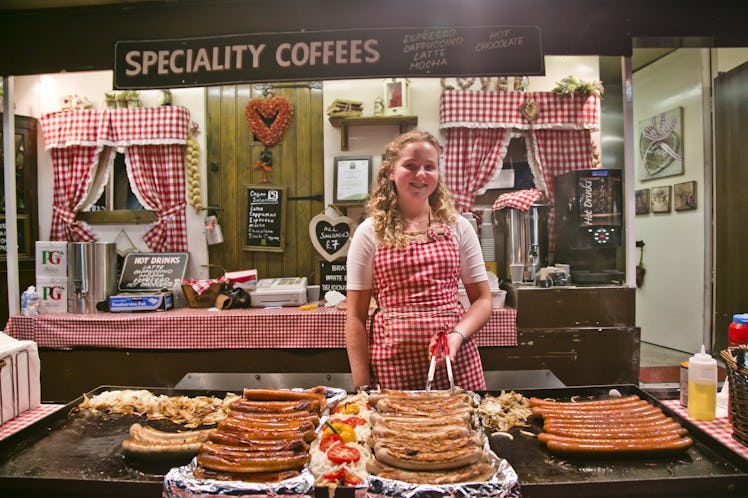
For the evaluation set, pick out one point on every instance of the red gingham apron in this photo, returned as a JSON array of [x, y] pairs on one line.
[[416, 290]]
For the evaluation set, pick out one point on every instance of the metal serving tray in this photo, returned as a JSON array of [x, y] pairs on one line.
[[708, 468]]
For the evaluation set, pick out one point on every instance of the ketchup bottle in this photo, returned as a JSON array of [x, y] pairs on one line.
[[739, 330]]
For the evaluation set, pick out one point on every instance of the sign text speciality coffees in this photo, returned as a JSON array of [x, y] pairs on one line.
[[319, 55]]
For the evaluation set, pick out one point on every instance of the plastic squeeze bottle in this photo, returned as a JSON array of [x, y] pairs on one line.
[[738, 332], [702, 386]]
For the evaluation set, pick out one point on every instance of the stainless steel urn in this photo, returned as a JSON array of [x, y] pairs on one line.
[[525, 239], [92, 275]]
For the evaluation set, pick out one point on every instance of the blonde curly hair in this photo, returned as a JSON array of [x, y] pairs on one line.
[[383, 207]]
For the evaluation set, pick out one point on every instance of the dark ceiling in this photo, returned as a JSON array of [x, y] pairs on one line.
[[640, 56]]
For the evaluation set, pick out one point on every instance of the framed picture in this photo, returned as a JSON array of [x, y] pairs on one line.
[[642, 201], [396, 97], [684, 196], [352, 179], [660, 199], [661, 145]]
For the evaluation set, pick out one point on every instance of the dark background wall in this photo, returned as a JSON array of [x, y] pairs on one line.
[[82, 38]]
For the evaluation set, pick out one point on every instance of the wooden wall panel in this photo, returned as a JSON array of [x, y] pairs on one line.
[[297, 164]]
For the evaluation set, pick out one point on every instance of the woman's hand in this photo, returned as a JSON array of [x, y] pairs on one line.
[[454, 341]]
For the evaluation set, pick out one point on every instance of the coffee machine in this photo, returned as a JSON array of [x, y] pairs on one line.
[[589, 224]]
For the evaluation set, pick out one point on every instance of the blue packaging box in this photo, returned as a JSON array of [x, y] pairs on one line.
[[157, 301]]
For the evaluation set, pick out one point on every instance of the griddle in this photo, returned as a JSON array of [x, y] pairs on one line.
[[79, 454], [707, 469]]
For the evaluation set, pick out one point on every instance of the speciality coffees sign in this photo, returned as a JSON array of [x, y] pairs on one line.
[[317, 55]]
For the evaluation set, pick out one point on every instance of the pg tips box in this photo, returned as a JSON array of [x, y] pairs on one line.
[[51, 259], [53, 294]]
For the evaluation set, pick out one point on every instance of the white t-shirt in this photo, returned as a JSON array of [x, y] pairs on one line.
[[363, 248]]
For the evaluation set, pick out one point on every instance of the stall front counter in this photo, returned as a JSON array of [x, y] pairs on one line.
[[157, 349], [193, 328]]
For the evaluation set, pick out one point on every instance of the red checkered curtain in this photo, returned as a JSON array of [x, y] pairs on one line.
[[154, 141], [560, 151], [470, 160], [557, 128], [72, 137]]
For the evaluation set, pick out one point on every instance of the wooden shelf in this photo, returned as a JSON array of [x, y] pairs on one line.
[[402, 122]]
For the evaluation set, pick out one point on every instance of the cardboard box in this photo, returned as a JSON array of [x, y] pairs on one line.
[[53, 294], [51, 259]]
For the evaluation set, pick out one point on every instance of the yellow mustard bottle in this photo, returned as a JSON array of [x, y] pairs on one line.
[[702, 386]]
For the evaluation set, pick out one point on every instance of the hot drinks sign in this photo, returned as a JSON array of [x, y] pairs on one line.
[[317, 55]]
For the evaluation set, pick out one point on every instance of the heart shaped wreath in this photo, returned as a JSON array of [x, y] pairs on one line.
[[269, 119]]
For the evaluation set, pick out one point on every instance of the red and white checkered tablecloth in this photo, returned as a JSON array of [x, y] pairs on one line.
[[192, 328], [494, 109], [26, 418], [719, 428], [519, 199]]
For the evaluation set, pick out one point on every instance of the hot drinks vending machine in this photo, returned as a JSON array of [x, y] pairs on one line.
[[588, 225]]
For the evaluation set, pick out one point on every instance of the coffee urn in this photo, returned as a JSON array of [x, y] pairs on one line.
[[92, 275], [525, 239]]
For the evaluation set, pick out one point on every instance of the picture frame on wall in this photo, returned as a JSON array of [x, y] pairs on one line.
[[396, 97], [660, 199], [684, 196], [660, 145], [352, 178], [642, 201]]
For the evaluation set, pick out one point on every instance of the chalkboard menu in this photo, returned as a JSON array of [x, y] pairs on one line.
[[266, 206], [22, 235], [332, 276], [152, 271]]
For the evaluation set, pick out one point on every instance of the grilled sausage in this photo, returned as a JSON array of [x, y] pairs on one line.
[[304, 415], [203, 473], [254, 432], [545, 437], [148, 434], [252, 406], [574, 408], [317, 393], [252, 463], [420, 421], [300, 424], [600, 402], [480, 471], [160, 451], [613, 432], [430, 460], [600, 447], [238, 439]]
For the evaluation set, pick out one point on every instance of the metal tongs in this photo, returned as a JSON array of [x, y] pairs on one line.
[[443, 346]]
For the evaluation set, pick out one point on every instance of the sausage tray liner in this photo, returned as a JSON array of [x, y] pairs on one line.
[[80, 455]]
